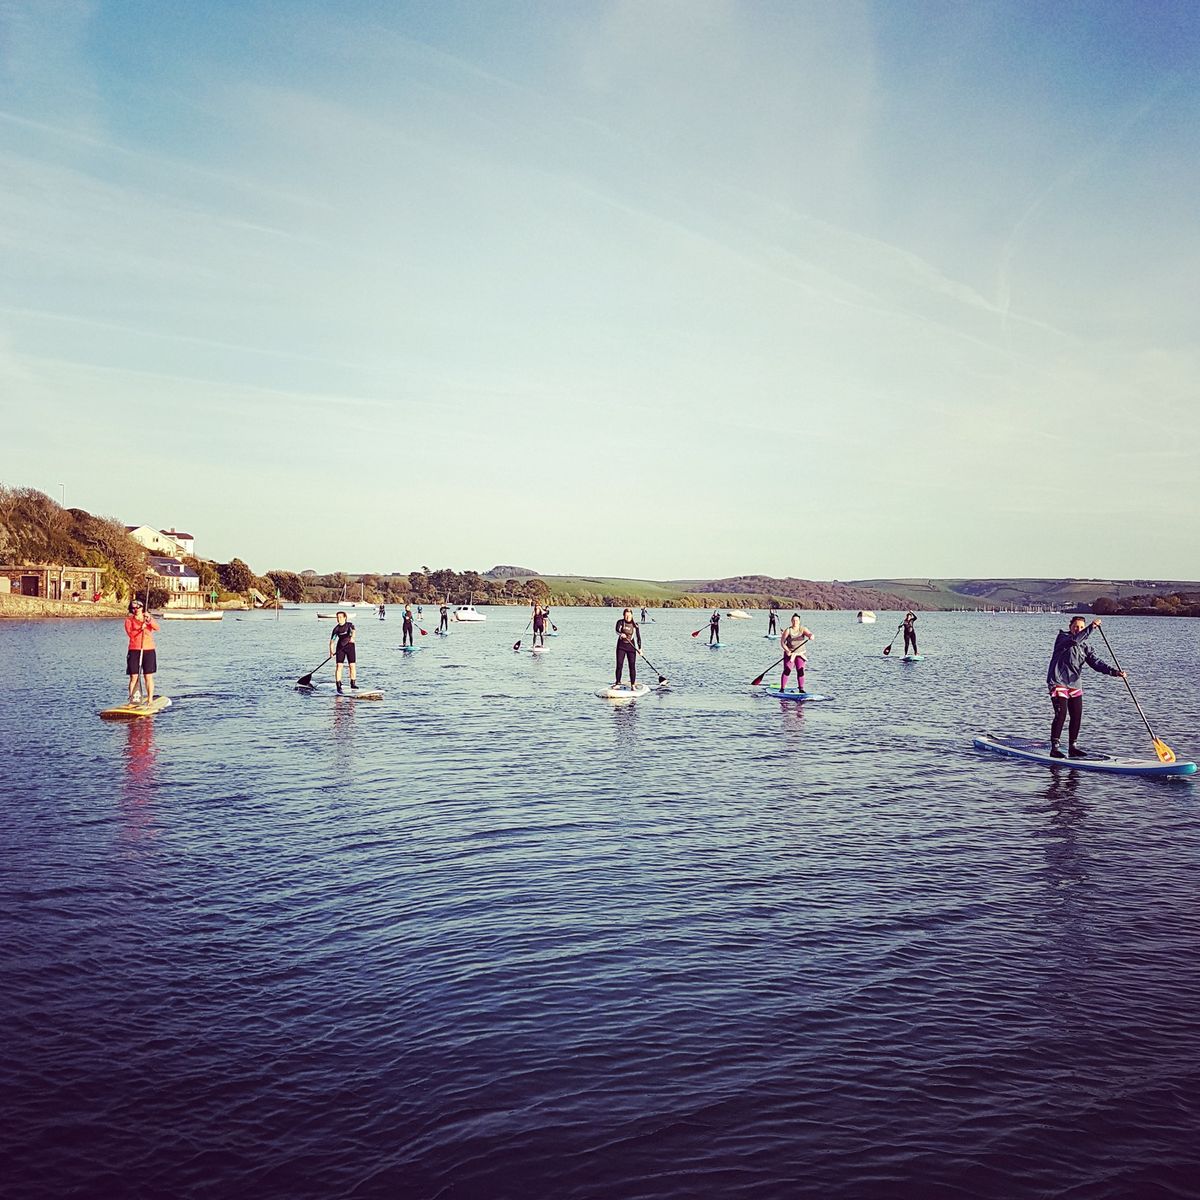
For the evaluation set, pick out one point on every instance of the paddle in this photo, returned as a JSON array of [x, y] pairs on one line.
[[1164, 752], [306, 680], [517, 643], [888, 648], [760, 678], [661, 677], [699, 631]]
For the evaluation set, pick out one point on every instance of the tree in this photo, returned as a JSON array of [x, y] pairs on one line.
[[290, 585], [235, 576], [416, 585], [538, 591], [1104, 606], [207, 571], [151, 592]]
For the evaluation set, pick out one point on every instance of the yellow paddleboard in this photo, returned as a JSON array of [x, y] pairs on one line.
[[130, 712]]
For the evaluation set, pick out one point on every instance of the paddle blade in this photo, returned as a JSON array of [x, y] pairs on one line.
[[698, 633], [756, 682], [305, 680], [424, 633], [1164, 752], [517, 644], [887, 650]]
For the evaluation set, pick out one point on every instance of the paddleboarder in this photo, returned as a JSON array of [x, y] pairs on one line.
[[643, 616], [1071, 651], [539, 625], [794, 637], [141, 660], [406, 628], [714, 627], [443, 619], [629, 643], [910, 632], [382, 612], [772, 621], [341, 646]]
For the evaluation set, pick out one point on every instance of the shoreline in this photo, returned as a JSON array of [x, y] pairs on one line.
[[37, 608]]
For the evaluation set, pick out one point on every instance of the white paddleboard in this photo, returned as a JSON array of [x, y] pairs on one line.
[[349, 693], [624, 692]]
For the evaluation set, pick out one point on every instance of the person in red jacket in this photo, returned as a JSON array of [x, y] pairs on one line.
[[140, 659]]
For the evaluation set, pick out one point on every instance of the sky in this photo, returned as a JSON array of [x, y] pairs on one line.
[[663, 289]]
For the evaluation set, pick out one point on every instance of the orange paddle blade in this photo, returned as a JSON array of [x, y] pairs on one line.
[[1164, 752]]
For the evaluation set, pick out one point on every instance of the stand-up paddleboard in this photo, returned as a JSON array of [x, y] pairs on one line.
[[624, 692], [132, 711], [440, 633], [714, 645], [409, 649], [912, 658], [792, 694], [539, 649], [329, 689], [1032, 750], [773, 636]]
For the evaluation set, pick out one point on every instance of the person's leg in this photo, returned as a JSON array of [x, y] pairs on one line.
[[133, 683], [148, 677], [337, 673], [787, 673], [620, 665], [800, 665], [632, 653], [1060, 716], [1075, 708]]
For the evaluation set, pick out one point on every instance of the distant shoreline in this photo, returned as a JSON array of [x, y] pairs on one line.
[[37, 608]]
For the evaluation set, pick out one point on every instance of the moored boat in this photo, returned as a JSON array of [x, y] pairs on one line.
[[866, 617]]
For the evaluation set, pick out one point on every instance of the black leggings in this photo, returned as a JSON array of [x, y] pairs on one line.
[[627, 650], [406, 638], [1062, 706], [771, 624], [714, 634], [910, 637], [444, 625]]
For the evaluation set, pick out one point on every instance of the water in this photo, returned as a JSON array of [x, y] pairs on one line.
[[495, 937]]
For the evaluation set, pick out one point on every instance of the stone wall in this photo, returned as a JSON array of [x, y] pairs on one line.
[[25, 608]]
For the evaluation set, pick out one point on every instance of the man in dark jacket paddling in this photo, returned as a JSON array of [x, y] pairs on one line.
[[1071, 651]]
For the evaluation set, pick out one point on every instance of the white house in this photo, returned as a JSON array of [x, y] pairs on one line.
[[182, 582], [185, 541], [154, 540]]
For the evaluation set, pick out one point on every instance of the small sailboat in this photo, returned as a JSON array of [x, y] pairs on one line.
[[866, 617]]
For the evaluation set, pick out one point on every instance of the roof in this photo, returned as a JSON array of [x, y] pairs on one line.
[[176, 534]]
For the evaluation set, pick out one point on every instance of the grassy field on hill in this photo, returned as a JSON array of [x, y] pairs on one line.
[[1005, 593]]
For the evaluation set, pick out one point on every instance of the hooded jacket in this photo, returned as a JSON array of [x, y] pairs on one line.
[[1071, 651]]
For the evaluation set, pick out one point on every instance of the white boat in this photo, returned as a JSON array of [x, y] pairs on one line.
[[866, 617], [196, 614], [738, 615], [468, 612]]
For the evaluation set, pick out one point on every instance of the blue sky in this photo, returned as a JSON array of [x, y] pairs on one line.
[[670, 288]]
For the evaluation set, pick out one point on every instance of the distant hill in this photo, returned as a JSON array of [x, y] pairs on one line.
[[510, 573], [800, 593], [1022, 593]]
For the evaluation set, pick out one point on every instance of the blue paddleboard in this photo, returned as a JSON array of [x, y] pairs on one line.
[[409, 649], [1032, 750], [792, 694]]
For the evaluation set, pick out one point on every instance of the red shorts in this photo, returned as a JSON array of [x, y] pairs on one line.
[[1060, 692]]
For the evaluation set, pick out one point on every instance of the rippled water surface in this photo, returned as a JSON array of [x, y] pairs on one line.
[[495, 937]]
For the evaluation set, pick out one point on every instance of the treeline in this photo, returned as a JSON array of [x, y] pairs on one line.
[[1177, 604], [443, 586]]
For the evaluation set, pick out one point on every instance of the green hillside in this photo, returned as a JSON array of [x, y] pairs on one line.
[[1017, 593]]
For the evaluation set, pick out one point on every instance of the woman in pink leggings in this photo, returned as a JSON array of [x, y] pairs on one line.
[[794, 636]]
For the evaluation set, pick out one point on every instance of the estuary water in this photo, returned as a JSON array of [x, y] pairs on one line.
[[495, 937]]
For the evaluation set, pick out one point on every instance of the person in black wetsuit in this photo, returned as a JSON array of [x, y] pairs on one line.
[[910, 632], [629, 643], [382, 612], [714, 627], [406, 630], [539, 625], [772, 622], [1071, 652], [341, 644], [443, 619], [643, 616]]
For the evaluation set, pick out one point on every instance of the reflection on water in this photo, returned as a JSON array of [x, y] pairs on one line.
[[138, 779]]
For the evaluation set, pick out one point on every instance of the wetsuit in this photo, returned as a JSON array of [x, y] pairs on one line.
[[792, 656], [539, 627], [714, 628], [443, 620], [772, 623], [345, 651], [406, 630], [910, 633], [629, 642], [643, 614], [1071, 652], [382, 612]]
